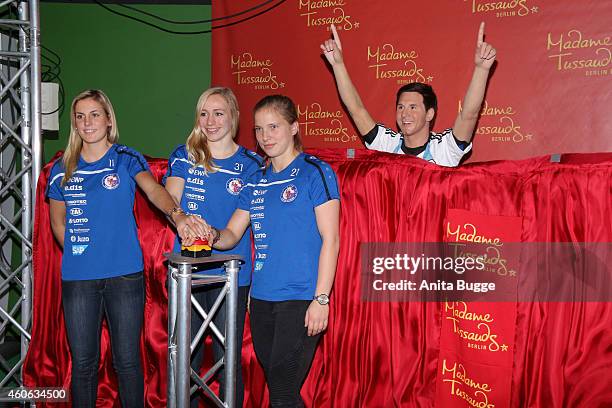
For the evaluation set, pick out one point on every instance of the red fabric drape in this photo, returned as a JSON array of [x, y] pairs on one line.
[[387, 354]]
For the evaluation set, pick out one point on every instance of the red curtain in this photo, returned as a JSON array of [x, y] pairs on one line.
[[390, 354]]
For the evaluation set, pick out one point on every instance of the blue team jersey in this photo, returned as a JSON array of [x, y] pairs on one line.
[[101, 239], [214, 196], [287, 239]]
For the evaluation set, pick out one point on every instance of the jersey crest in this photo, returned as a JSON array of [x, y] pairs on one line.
[[234, 185], [289, 193], [111, 181]]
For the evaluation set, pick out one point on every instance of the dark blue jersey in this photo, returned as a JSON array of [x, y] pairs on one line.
[[287, 239], [101, 239], [214, 196]]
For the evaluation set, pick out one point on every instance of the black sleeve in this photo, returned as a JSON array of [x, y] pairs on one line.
[[462, 144], [371, 135]]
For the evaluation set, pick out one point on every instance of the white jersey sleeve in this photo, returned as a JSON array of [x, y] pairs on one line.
[[445, 150], [383, 139]]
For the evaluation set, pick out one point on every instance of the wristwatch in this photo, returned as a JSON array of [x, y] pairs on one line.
[[175, 210], [216, 236], [322, 299]]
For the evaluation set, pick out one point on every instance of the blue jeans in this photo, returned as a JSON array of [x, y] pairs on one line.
[[121, 300]]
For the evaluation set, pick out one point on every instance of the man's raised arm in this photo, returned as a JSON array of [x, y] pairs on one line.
[[472, 102], [332, 49]]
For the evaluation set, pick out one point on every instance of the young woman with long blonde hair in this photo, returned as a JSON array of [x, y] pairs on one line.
[[206, 175], [91, 191]]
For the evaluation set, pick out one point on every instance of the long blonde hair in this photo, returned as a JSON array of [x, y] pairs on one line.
[[197, 144], [75, 143]]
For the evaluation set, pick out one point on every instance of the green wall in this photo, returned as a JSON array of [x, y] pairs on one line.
[[152, 78]]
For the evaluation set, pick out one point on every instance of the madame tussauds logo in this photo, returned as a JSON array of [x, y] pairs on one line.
[[326, 12], [508, 8], [324, 124], [387, 62], [476, 329], [249, 70], [462, 386], [499, 122], [574, 50], [489, 248]]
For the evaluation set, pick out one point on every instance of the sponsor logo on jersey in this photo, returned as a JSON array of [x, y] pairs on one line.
[[234, 185], [255, 216], [111, 181], [192, 206], [258, 266], [195, 180], [260, 235], [79, 249], [198, 189], [76, 202], [256, 226], [261, 246], [78, 220], [196, 172], [195, 196], [259, 192], [289, 193], [258, 200], [76, 211]]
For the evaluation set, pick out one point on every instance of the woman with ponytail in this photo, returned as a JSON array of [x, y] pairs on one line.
[[91, 192], [293, 205]]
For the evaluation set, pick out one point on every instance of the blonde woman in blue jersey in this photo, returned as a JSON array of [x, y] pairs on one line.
[[206, 175], [293, 207], [91, 193]]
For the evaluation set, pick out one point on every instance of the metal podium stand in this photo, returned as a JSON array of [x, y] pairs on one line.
[[180, 347]]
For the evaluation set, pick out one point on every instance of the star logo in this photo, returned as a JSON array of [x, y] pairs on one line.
[[504, 347], [429, 78], [534, 9]]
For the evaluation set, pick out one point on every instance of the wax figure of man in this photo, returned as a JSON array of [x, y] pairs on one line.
[[416, 106]]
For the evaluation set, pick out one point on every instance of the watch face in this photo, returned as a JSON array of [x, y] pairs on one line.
[[322, 299]]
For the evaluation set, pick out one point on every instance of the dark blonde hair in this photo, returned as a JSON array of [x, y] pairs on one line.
[[286, 108], [75, 143], [197, 144]]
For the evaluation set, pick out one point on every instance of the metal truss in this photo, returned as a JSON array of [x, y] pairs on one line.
[[20, 164], [180, 301]]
